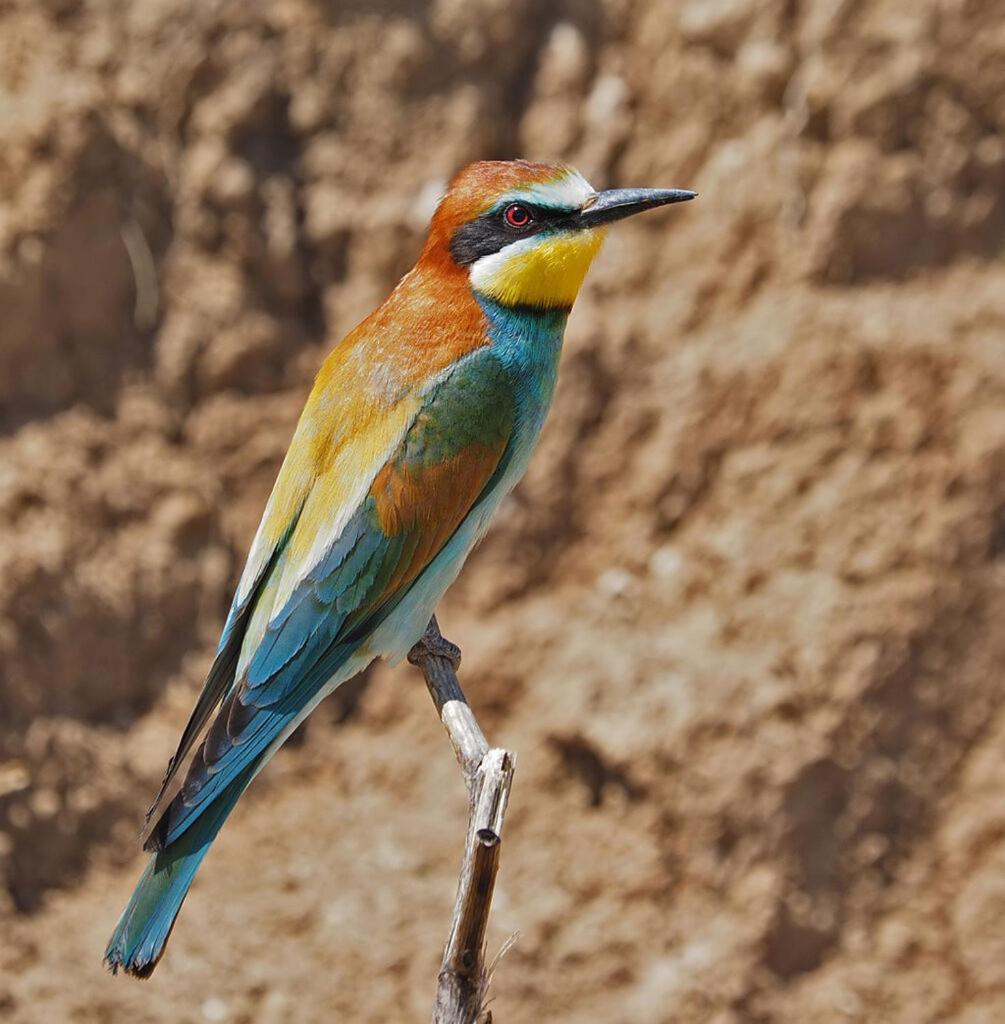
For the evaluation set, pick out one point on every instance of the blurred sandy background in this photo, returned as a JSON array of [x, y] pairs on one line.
[[744, 620]]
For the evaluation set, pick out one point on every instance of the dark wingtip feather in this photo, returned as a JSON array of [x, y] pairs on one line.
[[154, 842], [156, 832]]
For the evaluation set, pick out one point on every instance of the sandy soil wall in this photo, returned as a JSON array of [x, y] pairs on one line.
[[743, 620]]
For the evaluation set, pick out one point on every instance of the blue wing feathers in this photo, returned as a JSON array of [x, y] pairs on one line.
[[283, 677], [285, 646], [218, 683], [294, 630], [256, 737], [204, 787]]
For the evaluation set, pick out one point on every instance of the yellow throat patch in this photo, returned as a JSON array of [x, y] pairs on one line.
[[543, 270]]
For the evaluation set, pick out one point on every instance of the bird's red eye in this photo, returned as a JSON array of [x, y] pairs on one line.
[[517, 216]]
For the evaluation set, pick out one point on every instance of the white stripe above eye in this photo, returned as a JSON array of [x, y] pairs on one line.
[[568, 192]]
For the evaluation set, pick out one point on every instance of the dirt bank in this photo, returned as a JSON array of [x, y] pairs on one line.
[[742, 621]]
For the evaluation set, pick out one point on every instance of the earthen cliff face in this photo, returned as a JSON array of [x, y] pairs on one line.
[[743, 620]]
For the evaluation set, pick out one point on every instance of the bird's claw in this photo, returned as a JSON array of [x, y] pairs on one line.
[[433, 644]]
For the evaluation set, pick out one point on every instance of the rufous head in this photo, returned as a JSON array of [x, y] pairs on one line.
[[526, 233]]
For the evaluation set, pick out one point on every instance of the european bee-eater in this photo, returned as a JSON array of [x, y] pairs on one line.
[[420, 421]]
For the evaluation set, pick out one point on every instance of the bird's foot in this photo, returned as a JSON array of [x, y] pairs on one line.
[[434, 644]]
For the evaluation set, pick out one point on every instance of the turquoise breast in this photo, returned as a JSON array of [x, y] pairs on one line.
[[528, 343]]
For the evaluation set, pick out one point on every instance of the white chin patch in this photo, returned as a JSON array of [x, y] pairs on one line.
[[485, 272], [544, 270]]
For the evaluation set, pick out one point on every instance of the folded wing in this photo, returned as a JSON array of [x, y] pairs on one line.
[[353, 544]]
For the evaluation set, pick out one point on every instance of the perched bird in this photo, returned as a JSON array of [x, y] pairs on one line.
[[419, 422]]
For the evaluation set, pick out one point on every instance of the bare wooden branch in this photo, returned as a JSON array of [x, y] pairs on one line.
[[488, 774]]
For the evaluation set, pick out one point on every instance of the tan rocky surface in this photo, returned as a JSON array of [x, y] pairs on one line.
[[742, 622]]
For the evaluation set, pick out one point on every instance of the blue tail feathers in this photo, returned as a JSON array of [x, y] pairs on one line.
[[146, 923]]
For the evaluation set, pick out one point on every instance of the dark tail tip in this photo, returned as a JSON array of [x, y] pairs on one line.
[[115, 961]]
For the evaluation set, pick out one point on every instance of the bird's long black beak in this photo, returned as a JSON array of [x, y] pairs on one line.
[[618, 203]]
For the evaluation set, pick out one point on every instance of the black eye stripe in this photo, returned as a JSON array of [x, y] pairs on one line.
[[490, 232], [541, 214]]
